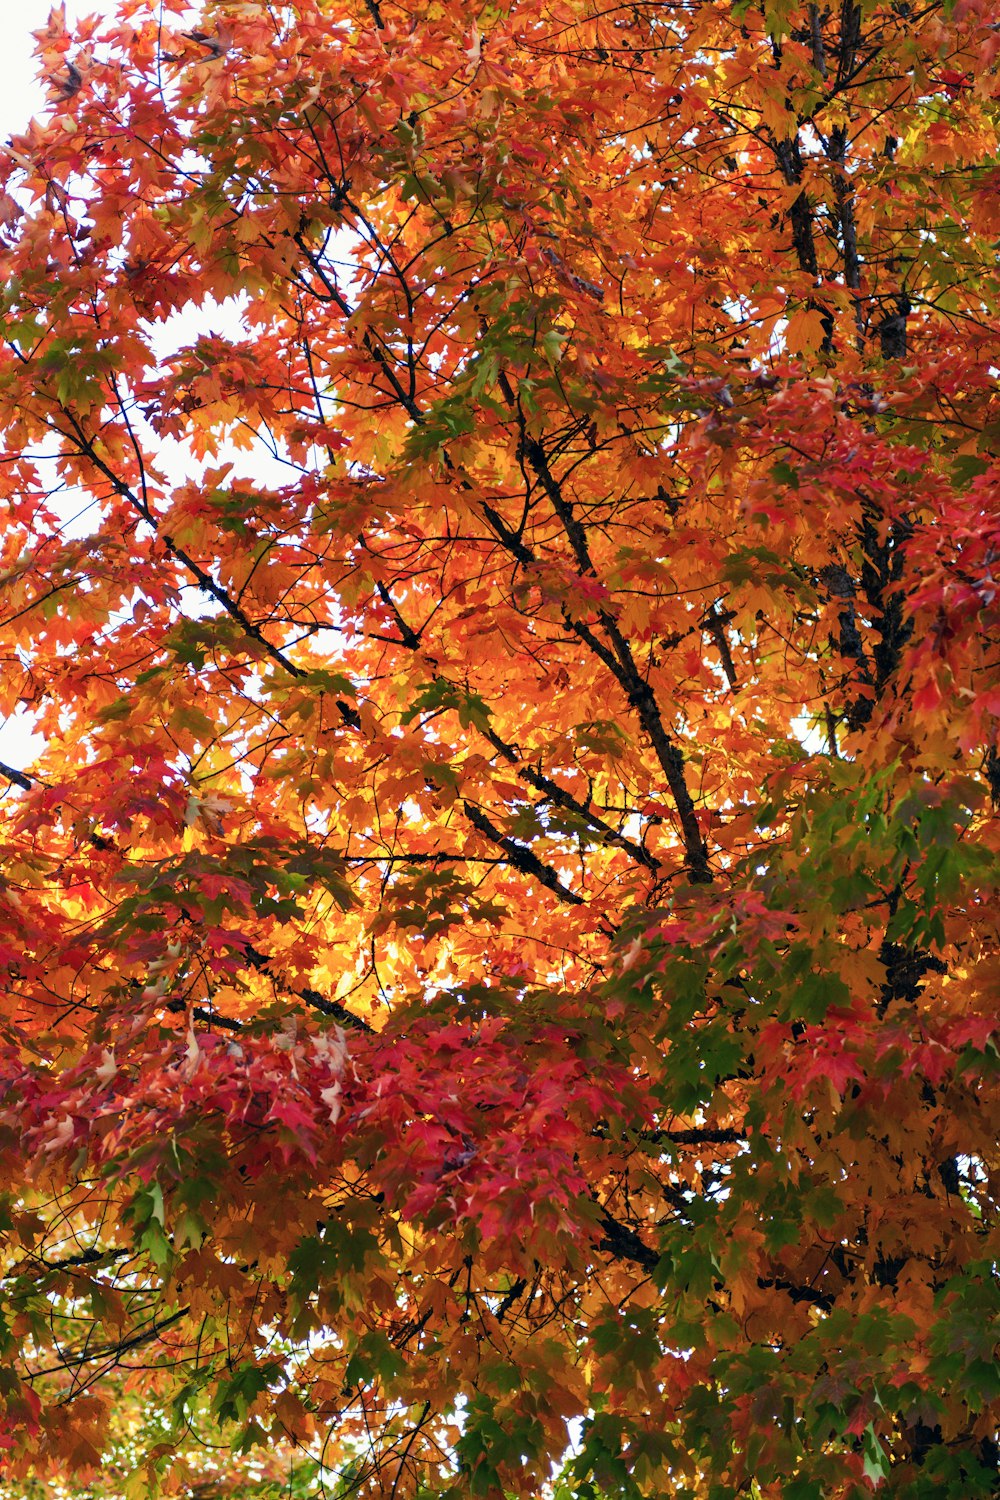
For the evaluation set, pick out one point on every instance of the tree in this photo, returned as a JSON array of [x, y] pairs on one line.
[[500, 943]]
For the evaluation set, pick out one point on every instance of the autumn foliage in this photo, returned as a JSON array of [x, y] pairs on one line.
[[500, 941]]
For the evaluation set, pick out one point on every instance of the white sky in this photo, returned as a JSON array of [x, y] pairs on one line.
[[20, 97]]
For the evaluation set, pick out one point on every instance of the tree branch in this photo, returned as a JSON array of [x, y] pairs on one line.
[[521, 857]]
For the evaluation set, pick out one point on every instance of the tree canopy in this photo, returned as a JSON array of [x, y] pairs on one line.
[[500, 941]]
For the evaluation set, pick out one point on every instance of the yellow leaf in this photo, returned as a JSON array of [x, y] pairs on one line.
[[804, 332]]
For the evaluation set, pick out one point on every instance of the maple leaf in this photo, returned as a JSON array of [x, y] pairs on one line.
[[498, 905]]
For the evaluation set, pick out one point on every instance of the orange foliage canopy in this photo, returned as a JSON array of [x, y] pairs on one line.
[[500, 942]]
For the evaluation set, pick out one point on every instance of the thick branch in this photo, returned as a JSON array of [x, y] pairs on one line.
[[559, 797], [622, 663], [521, 857], [112, 1351], [797, 1293], [625, 1244], [262, 963], [17, 777]]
